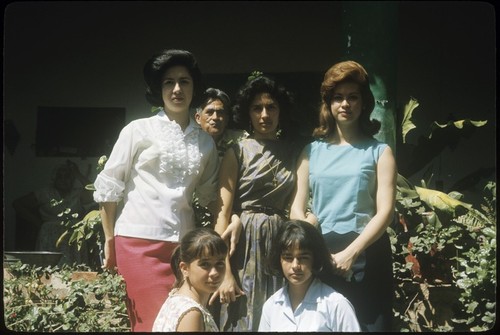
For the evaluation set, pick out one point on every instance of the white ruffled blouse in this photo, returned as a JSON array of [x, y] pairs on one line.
[[152, 173]]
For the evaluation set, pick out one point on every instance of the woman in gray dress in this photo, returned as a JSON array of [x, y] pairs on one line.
[[256, 182]]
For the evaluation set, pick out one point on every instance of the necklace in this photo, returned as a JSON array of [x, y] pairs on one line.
[[274, 170]]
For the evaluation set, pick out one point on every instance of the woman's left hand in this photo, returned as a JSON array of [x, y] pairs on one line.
[[343, 262], [233, 232]]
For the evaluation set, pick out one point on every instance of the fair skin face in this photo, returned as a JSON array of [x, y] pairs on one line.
[[346, 106], [213, 119], [177, 93], [264, 115], [203, 276], [346, 109], [297, 266]]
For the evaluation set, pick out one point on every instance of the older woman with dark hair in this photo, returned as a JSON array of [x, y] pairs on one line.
[[351, 178], [256, 182], [146, 188]]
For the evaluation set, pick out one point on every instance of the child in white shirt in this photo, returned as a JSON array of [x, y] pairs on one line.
[[306, 302]]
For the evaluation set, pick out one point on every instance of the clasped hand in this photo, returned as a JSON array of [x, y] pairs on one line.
[[343, 262], [229, 289]]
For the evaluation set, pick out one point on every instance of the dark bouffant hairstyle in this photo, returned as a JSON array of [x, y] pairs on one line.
[[159, 63], [263, 84], [307, 237], [348, 71], [195, 244]]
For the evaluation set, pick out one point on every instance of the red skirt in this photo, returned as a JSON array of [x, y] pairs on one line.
[[145, 267]]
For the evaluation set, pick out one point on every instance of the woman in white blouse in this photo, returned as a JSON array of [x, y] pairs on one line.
[[146, 188]]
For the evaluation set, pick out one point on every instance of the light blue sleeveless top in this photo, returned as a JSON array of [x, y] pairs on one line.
[[342, 179]]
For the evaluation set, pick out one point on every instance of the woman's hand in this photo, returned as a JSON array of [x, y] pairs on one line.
[[109, 261], [343, 262], [233, 231], [228, 291]]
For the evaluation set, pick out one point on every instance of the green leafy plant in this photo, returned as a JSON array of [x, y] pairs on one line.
[[87, 231], [456, 255], [444, 250], [476, 268], [50, 300]]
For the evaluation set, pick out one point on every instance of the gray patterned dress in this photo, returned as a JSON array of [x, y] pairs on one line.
[[266, 180]]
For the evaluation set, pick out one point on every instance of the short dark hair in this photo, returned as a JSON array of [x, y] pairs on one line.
[[263, 84], [306, 237], [159, 63], [212, 94]]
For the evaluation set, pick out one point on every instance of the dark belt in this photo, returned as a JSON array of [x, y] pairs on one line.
[[266, 210]]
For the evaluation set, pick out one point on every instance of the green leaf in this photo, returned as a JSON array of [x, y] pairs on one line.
[[155, 109], [255, 75], [439, 200], [61, 238], [457, 124], [407, 124], [489, 232]]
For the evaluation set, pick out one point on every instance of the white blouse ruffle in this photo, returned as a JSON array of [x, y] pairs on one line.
[[153, 172], [179, 154]]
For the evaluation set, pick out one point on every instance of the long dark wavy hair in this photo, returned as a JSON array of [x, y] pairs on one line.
[[348, 71]]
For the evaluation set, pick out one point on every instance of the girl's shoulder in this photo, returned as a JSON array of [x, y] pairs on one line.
[[329, 293], [173, 310], [279, 296]]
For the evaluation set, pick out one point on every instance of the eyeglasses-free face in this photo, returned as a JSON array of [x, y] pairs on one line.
[[264, 115], [177, 89], [213, 118], [346, 103]]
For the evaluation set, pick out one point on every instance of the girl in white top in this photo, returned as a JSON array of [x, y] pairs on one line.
[[146, 188], [307, 302], [199, 266]]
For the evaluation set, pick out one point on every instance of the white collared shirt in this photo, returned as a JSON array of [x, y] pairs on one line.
[[322, 310], [152, 172]]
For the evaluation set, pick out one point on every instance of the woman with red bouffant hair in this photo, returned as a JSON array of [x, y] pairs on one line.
[[351, 178]]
